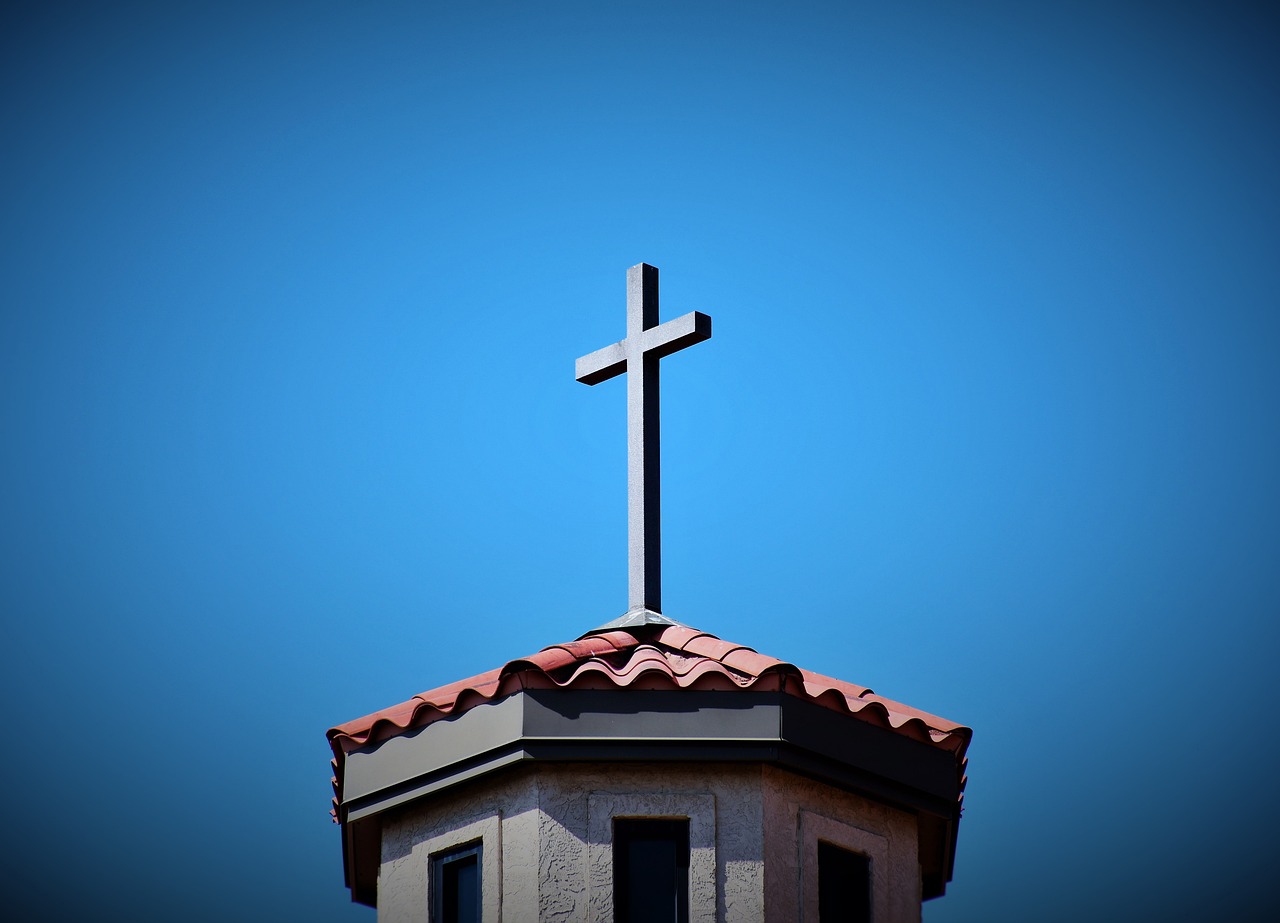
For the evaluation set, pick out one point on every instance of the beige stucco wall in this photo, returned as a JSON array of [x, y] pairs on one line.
[[547, 835], [502, 812], [798, 812]]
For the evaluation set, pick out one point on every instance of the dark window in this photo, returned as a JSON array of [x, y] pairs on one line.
[[650, 871], [455, 886], [844, 885]]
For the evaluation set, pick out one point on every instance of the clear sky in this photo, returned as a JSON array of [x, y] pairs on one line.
[[290, 296]]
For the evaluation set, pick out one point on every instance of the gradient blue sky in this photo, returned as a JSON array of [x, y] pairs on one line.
[[290, 296]]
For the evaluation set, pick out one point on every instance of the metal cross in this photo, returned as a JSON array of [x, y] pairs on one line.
[[647, 341]]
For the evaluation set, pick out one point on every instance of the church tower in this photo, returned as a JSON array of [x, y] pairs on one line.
[[647, 771]]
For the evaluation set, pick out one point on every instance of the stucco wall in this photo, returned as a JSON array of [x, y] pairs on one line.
[[547, 835], [725, 832], [501, 812], [798, 812]]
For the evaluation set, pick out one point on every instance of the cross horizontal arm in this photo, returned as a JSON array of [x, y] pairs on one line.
[[674, 335], [601, 365]]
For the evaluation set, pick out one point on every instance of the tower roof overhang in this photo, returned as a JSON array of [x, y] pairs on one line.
[[649, 693]]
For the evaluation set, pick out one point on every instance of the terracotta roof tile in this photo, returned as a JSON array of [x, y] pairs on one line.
[[817, 683], [710, 646], [747, 660], [678, 636], [676, 656], [673, 657]]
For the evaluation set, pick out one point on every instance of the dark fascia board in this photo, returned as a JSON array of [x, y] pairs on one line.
[[622, 725]]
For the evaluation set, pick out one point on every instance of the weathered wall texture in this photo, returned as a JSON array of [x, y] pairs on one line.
[[799, 812], [500, 812], [547, 835]]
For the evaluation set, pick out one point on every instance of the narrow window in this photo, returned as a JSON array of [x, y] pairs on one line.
[[455, 886], [650, 870], [844, 885]]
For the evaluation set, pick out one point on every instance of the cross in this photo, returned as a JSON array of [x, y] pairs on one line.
[[647, 341]]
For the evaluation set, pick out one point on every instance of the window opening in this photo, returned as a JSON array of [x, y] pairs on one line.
[[455, 886], [650, 870], [844, 885]]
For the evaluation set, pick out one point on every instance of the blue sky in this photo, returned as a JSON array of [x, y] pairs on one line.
[[290, 296]]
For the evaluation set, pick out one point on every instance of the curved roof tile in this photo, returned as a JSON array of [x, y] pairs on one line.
[[672, 657]]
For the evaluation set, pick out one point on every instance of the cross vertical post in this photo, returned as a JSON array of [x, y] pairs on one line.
[[638, 355], [644, 480]]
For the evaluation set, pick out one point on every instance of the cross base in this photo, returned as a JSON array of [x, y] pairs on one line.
[[634, 618]]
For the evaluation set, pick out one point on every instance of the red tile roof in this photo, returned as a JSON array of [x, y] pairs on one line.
[[670, 657]]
